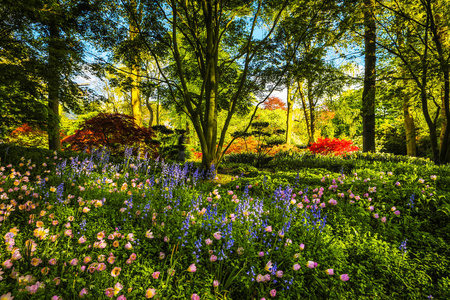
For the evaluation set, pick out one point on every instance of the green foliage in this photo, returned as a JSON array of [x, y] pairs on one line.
[[171, 212]]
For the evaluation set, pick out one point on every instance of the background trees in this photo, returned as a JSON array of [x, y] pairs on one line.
[[209, 66]]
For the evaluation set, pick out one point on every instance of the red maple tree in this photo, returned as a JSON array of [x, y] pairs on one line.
[[114, 131], [273, 103]]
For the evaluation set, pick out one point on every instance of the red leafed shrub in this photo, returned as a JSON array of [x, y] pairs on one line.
[[241, 145], [332, 146], [114, 131], [27, 136]]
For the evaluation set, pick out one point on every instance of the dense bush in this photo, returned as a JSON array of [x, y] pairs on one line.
[[113, 131], [332, 146], [27, 136]]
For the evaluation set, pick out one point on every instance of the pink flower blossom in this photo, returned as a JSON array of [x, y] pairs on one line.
[[155, 275], [259, 278], [344, 277], [83, 292], [332, 201], [213, 258], [208, 241], [192, 268], [195, 297], [217, 235], [273, 293], [311, 264], [329, 271], [109, 292], [215, 283]]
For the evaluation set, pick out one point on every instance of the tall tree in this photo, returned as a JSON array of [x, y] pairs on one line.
[[52, 37], [425, 56], [212, 44], [368, 96]]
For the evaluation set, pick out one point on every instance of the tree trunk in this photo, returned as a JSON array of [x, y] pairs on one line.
[[151, 113], [135, 71], [135, 96], [305, 111], [410, 129], [312, 113], [188, 132], [440, 34], [290, 109], [54, 84], [368, 96]]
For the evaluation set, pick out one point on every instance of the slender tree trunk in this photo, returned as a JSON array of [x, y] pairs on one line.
[[188, 132], [440, 34], [368, 96], [135, 71], [410, 129], [305, 111], [312, 112], [54, 84], [150, 111], [157, 108], [290, 109]]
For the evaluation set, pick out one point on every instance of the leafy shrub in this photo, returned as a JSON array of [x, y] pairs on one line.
[[27, 136], [332, 146], [113, 131]]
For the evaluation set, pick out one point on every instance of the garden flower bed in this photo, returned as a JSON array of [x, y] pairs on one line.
[[87, 227]]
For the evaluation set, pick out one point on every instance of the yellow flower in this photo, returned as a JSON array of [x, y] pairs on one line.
[[39, 224], [14, 230], [150, 293], [52, 189], [115, 272], [41, 233]]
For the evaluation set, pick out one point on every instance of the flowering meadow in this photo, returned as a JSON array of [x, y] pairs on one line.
[[97, 227]]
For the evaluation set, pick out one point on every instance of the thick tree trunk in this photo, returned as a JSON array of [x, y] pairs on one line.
[[135, 96], [54, 84], [410, 130], [368, 96]]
